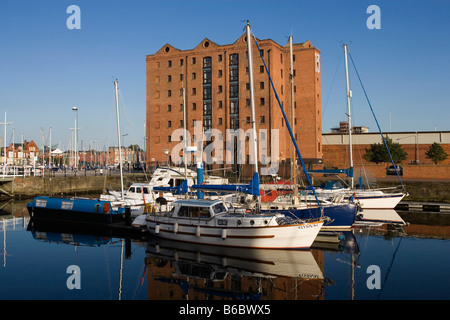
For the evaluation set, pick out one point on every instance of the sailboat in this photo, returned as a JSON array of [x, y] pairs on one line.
[[137, 205], [341, 215], [218, 222], [338, 215], [367, 199]]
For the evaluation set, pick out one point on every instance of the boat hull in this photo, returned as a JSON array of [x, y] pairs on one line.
[[75, 210], [295, 236], [367, 199], [386, 201], [340, 216]]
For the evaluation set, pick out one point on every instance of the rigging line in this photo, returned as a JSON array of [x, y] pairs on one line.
[[108, 276], [389, 268], [288, 126], [373, 113], [124, 109], [332, 84]]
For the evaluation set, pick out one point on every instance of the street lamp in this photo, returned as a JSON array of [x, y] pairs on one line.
[[167, 151], [416, 138], [76, 136]]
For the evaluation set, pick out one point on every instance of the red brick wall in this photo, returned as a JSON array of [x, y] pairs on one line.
[[338, 156]]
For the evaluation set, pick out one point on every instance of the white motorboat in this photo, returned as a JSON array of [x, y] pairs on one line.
[[214, 222]]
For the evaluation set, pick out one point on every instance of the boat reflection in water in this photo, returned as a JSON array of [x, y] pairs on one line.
[[177, 270], [378, 216]]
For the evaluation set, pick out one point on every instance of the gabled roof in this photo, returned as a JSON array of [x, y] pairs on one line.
[[241, 41], [206, 44], [167, 48]]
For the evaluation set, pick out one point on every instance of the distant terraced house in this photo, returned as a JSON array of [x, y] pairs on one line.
[[21, 153]]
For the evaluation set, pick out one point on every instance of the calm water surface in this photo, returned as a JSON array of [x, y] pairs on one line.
[[412, 263]]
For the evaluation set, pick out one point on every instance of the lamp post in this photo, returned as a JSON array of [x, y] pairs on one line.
[[416, 138], [76, 136], [4, 138]]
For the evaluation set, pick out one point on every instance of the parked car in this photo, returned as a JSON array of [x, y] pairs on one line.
[[392, 170]]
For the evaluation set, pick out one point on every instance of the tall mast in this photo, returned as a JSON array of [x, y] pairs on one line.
[[184, 137], [49, 149], [349, 95], [294, 158], [118, 137], [252, 96], [252, 105]]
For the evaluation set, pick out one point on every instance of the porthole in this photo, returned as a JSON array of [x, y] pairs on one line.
[[167, 49], [206, 44]]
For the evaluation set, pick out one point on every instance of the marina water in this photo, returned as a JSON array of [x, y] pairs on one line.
[[374, 262]]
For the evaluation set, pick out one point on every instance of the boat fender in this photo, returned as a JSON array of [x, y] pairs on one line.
[[198, 231], [175, 227], [224, 234], [157, 229]]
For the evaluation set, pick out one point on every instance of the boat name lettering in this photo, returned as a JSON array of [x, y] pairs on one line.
[[307, 226], [67, 205], [41, 203]]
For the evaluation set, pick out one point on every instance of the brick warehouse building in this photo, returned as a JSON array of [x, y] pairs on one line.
[[216, 83]]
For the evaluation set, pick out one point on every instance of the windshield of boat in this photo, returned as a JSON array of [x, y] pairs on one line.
[[228, 205], [194, 212], [219, 208]]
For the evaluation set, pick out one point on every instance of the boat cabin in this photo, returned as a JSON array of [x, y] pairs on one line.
[[139, 188], [203, 209]]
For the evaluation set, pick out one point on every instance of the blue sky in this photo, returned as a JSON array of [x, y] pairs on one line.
[[46, 69]]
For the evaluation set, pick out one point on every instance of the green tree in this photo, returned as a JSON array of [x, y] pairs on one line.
[[377, 152], [135, 147], [436, 153]]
